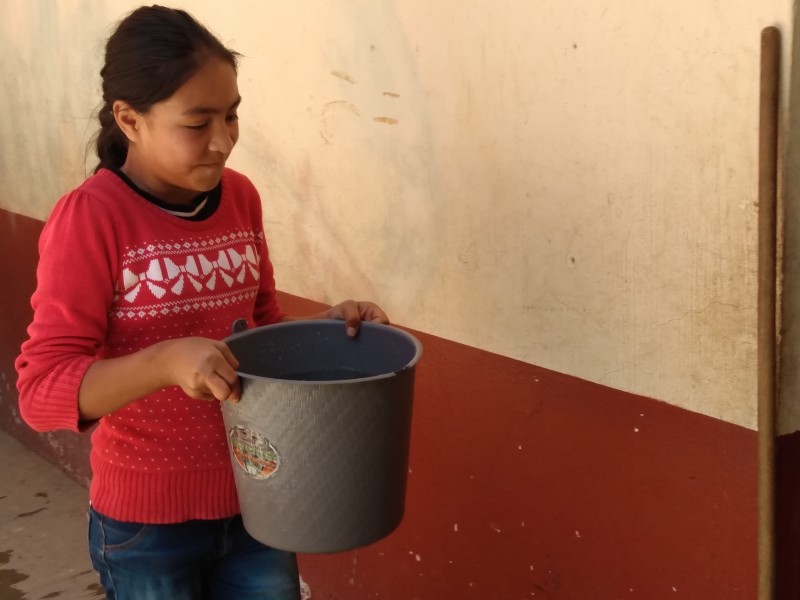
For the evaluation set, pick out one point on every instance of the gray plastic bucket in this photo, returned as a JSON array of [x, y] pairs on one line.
[[319, 441]]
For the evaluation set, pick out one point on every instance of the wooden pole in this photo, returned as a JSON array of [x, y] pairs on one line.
[[767, 304]]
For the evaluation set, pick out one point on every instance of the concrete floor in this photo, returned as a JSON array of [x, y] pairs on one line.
[[43, 552]]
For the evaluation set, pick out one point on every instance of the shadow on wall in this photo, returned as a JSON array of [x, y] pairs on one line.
[[522, 483]]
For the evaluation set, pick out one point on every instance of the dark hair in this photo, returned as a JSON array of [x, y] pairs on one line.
[[152, 53]]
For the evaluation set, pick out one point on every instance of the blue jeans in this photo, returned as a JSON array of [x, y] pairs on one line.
[[196, 560]]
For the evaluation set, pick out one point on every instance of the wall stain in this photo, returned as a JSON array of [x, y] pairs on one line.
[[391, 94], [344, 76], [550, 584], [329, 112], [387, 120]]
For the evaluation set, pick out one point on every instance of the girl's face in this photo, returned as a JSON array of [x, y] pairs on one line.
[[178, 149]]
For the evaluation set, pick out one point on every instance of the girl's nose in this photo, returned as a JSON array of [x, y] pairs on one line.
[[222, 139]]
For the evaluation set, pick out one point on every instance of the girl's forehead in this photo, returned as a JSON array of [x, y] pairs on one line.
[[213, 87]]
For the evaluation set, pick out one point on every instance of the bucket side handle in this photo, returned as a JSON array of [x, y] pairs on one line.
[[239, 325]]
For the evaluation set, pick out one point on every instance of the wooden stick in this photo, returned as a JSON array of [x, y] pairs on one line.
[[767, 304]]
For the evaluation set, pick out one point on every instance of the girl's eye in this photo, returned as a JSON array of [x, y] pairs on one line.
[[232, 118], [197, 127]]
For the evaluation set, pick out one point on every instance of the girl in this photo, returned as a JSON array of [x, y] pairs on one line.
[[143, 268]]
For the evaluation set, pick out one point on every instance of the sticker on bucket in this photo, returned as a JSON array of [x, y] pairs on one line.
[[254, 453]]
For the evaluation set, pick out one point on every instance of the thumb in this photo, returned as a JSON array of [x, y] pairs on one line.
[[352, 324], [348, 312]]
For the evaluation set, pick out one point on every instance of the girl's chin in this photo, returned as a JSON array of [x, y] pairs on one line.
[[206, 178]]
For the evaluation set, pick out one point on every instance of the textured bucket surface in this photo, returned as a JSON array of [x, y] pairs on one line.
[[319, 441]]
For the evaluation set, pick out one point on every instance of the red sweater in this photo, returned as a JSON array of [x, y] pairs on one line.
[[116, 274]]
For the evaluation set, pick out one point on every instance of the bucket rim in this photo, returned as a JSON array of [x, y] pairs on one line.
[[329, 323]]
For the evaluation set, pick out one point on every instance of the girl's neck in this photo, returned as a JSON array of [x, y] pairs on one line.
[[202, 206], [152, 185]]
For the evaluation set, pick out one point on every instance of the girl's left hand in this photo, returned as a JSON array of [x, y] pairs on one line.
[[352, 313]]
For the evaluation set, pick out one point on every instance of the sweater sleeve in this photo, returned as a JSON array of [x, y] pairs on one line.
[[74, 293]]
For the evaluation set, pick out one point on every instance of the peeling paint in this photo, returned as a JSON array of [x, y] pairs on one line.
[[305, 590]]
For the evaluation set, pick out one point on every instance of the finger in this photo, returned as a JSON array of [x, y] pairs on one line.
[[372, 312], [228, 355], [236, 391], [228, 374], [219, 388], [351, 316]]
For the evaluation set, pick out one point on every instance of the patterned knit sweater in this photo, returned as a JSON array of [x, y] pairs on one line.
[[117, 274]]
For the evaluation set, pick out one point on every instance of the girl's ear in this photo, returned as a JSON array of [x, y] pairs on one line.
[[128, 120]]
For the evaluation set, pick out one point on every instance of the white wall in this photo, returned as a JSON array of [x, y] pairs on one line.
[[567, 183]]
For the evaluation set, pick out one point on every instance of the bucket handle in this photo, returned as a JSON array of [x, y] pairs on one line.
[[239, 325]]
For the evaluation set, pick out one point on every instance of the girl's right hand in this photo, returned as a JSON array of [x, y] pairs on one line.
[[203, 368]]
